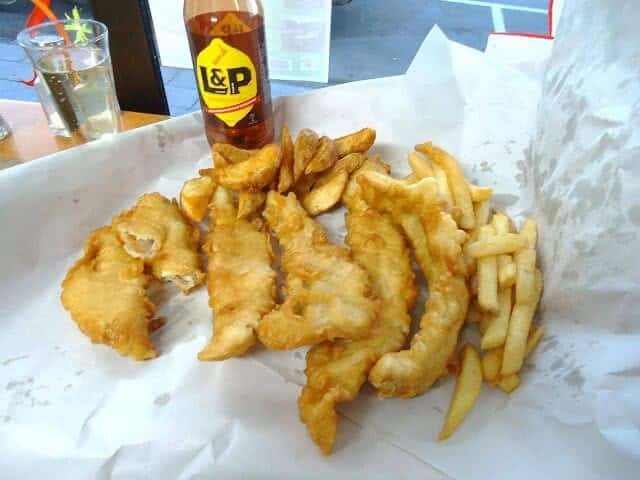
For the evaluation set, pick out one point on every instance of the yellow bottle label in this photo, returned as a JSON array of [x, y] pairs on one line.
[[227, 81]]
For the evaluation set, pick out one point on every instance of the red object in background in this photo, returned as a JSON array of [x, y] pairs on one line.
[[547, 36], [37, 17]]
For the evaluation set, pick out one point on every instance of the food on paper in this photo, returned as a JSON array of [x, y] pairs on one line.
[[233, 154], [285, 178], [249, 202], [336, 370], [254, 173], [241, 281], [195, 197], [303, 149], [327, 295], [172, 252], [357, 142], [487, 274], [466, 393], [324, 157], [351, 305], [456, 180], [411, 372], [105, 294], [324, 197]]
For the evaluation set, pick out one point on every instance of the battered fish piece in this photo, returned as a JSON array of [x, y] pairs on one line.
[[241, 280], [105, 294], [411, 372], [327, 294], [336, 370], [156, 230]]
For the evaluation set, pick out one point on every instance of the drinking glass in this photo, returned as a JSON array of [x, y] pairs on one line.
[[74, 76]]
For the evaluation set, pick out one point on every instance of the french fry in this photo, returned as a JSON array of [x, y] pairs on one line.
[[323, 158], [506, 271], [482, 211], [303, 149], [255, 173], [525, 261], [491, 364], [233, 154], [320, 199], [457, 181], [195, 196], [506, 266], [443, 184], [285, 179], [420, 165], [479, 194], [533, 340], [509, 384], [487, 276], [499, 323], [519, 325], [468, 386], [496, 245], [357, 142], [249, 201]]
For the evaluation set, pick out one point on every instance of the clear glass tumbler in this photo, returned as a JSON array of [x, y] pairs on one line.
[[75, 77]]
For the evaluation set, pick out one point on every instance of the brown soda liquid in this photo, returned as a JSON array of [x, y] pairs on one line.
[[245, 32]]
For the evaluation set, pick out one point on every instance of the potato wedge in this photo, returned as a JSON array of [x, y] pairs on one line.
[[303, 150], [357, 142], [249, 201], [253, 174], [468, 386], [219, 160], [324, 157], [233, 154], [285, 179], [349, 163], [457, 181], [195, 197], [322, 198]]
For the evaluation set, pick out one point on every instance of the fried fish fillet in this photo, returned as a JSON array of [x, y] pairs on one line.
[[105, 294], [327, 294], [336, 370], [241, 280], [156, 230], [411, 372]]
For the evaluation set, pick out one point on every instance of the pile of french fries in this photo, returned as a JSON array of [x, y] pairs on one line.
[[505, 284]]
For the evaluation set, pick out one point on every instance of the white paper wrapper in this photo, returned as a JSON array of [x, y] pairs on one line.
[[81, 411]]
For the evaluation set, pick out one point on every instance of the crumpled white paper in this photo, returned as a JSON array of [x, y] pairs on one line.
[[564, 155]]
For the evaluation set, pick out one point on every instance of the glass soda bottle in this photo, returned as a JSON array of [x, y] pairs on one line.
[[229, 56]]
